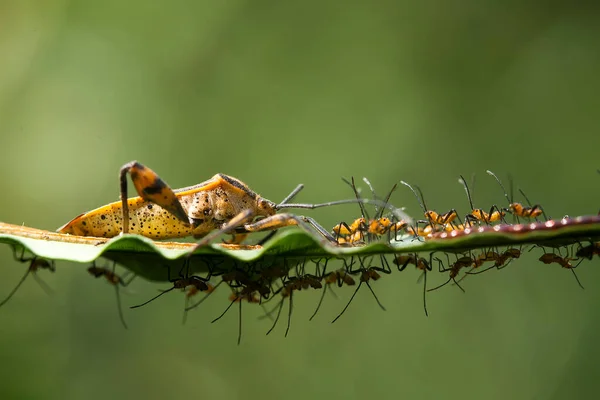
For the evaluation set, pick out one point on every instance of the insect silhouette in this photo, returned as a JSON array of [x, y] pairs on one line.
[[517, 209], [454, 270], [244, 294], [565, 262], [589, 251], [183, 282], [402, 261], [35, 264], [339, 277], [220, 205], [115, 280], [477, 214]]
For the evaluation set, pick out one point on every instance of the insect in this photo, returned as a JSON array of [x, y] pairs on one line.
[[339, 277], [478, 214], [372, 228], [180, 283], [517, 209], [589, 251], [220, 205], [193, 291], [245, 294], [454, 270], [35, 264], [433, 217], [565, 262], [114, 280], [292, 284], [420, 263], [366, 274]]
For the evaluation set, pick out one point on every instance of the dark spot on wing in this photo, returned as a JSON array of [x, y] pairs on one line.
[[156, 187]]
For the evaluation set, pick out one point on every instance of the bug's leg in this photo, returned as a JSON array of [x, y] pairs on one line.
[[236, 238], [151, 188], [282, 220], [233, 223]]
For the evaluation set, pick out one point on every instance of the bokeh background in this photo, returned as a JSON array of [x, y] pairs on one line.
[[280, 93]]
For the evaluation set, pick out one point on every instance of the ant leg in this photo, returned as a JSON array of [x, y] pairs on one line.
[[351, 298], [16, 287], [276, 318], [154, 298], [204, 298], [289, 313], [240, 324], [42, 284]]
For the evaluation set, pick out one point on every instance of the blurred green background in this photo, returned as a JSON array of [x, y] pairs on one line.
[[276, 94]]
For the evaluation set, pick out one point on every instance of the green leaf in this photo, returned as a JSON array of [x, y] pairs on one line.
[[149, 259]]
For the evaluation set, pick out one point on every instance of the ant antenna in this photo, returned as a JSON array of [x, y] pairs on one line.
[[363, 211], [501, 185], [421, 200]]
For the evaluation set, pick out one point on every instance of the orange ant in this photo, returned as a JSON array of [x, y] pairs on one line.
[[478, 214], [35, 264], [113, 279], [181, 283], [220, 205], [420, 263], [517, 209], [366, 274], [433, 217], [376, 227], [565, 262]]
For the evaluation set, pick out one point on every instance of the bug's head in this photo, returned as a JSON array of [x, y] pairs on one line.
[[265, 207]]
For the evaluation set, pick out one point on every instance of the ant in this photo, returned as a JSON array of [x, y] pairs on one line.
[[339, 277], [113, 279], [517, 209], [589, 251], [180, 283], [478, 214], [433, 217], [366, 274], [376, 227], [565, 262], [35, 264], [244, 294], [454, 270], [420, 263], [287, 290], [193, 291]]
